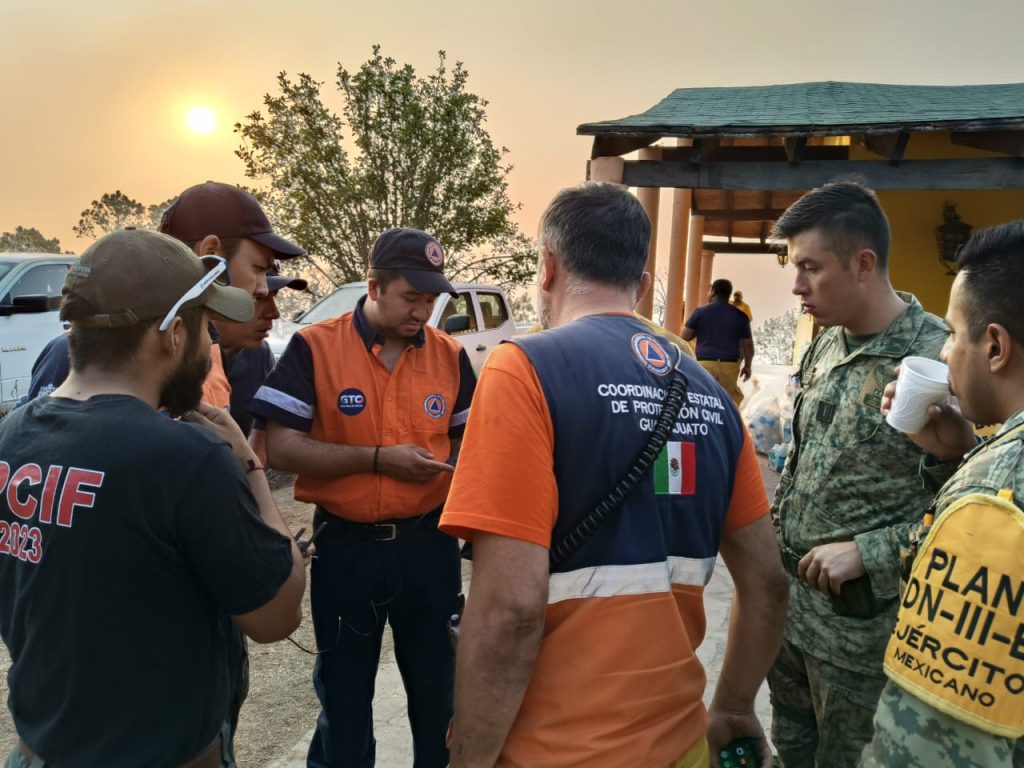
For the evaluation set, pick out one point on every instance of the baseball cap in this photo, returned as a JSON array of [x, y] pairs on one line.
[[416, 255], [276, 281], [133, 275], [220, 209]]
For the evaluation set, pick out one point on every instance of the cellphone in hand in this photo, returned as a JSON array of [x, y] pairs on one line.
[[740, 753]]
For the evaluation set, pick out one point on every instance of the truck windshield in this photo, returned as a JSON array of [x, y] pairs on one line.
[[5, 267], [339, 302]]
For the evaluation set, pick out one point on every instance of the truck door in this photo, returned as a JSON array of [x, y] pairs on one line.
[[496, 323], [23, 336]]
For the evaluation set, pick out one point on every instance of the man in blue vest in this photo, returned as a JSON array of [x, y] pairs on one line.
[[590, 659]]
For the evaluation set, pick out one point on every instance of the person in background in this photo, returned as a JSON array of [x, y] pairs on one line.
[[742, 306], [248, 365], [723, 337]]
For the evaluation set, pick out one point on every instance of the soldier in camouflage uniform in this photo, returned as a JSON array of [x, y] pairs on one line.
[[986, 372], [849, 493]]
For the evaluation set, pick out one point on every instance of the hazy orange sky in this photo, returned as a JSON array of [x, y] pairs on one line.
[[94, 94]]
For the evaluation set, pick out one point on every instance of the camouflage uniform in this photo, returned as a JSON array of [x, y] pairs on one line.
[[848, 476], [909, 732]]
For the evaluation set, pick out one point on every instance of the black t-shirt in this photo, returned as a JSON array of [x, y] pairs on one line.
[[126, 538], [246, 370], [50, 368]]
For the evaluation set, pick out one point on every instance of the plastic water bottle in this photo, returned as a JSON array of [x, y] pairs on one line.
[[777, 457]]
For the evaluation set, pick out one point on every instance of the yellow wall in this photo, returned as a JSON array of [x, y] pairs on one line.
[[804, 336], [914, 215]]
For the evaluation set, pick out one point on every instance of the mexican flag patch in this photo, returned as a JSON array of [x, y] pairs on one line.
[[675, 470]]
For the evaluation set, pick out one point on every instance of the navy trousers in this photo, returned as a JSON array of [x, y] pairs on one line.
[[357, 584]]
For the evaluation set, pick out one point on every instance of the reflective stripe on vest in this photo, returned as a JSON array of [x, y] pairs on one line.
[[603, 378]]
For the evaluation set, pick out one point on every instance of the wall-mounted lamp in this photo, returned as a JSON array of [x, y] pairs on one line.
[[782, 256], [951, 236]]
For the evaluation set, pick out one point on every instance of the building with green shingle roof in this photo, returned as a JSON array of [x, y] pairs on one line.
[[737, 157]]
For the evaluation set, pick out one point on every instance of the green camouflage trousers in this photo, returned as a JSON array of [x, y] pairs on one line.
[[912, 734], [821, 714]]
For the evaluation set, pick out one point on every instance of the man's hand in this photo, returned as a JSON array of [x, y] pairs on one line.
[[745, 372], [947, 435], [219, 421], [725, 727], [827, 567], [410, 462]]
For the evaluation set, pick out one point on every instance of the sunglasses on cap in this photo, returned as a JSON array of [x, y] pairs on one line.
[[217, 273]]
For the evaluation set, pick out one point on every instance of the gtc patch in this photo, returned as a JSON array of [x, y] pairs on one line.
[[651, 354], [351, 402], [435, 254], [435, 406]]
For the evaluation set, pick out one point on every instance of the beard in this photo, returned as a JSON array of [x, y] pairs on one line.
[[543, 310], [184, 390]]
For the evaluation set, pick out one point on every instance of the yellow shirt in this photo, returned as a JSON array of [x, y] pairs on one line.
[[744, 308]]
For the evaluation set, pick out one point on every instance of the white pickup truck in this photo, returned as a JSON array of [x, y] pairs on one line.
[[486, 307], [30, 285]]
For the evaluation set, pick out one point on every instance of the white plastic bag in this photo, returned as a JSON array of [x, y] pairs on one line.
[[763, 415]]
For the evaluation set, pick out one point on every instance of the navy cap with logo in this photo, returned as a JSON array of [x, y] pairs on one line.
[[417, 256], [276, 281], [223, 210]]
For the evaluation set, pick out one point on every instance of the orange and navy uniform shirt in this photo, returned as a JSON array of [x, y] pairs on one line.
[[331, 384], [216, 387], [617, 680]]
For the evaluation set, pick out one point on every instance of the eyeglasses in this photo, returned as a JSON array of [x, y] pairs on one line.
[[219, 269]]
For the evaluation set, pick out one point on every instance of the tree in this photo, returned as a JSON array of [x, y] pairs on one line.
[[30, 240], [774, 340], [115, 211], [406, 151], [522, 306]]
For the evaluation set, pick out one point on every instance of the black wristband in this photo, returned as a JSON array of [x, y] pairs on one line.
[[376, 455]]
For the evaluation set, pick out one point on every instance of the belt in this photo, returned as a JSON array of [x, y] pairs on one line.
[[380, 530], [717, 360], [208, 758]]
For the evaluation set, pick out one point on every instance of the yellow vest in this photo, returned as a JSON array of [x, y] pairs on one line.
[[958, 644]]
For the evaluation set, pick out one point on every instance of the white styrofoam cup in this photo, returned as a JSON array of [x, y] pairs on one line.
[[922, 382]]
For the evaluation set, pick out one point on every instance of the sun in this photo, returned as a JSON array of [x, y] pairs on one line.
[[201, 119]]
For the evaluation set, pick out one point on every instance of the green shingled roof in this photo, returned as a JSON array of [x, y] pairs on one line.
[[822, 108]]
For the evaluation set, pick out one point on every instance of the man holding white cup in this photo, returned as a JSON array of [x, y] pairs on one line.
[[849, 493], [922, 383], [942, 713]]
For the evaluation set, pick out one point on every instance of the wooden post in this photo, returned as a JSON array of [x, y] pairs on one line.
[[707, 267], [605, 169], [694, 249], [681, 201], [649, 197]]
